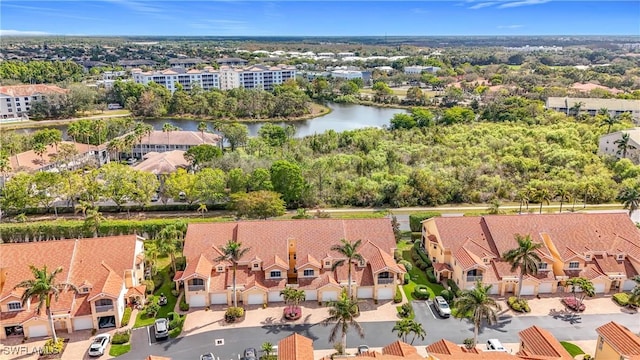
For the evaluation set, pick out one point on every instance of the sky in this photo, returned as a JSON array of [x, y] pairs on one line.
[[319, 18]]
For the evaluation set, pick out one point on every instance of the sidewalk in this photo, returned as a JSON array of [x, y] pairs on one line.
[[551, 305]]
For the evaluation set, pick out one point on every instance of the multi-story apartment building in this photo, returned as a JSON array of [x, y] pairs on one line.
[[416, 70], [16, 100], [593, 105], [53, 159], [614, 145], [107, 271], [185, 63], [295, 253], [158, 141], [254, 77]]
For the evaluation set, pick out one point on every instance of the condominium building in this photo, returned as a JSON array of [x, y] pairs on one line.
[[416, 70], [208, 78], [260, 77], [615, 145], [592, 105], [16, 101]]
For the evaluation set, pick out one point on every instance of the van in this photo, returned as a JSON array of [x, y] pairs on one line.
[[495, 345]]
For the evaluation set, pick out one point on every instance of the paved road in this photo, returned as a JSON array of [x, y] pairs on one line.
[[377, 334]]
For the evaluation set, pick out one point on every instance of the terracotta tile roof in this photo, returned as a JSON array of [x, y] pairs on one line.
[[178, 275], [16, 317], [153, 357], [81, 306], [309, 260], [377, 258], [445, 347], [163, 163], [608, 264], [442, 267], [399, 348], [111, 285], [295, 347], [275, 261], [30, 90], [540, 342], [454, 231], [503, 268], [466, 260], [591, 272], [137, 291], [620, 338], [30, 161], [180, 137], [325, 278]]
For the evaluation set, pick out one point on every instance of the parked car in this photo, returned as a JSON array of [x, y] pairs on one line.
[[250, 354], [363, 349], [442, 306], [161, 328], [208, 356], [99, 345], [495, 345]]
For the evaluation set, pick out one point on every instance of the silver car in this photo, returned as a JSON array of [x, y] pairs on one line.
[[99, 345], [161, 328], [442, 306]]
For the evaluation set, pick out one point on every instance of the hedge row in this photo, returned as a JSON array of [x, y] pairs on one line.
[[113, 209], [415, 219]]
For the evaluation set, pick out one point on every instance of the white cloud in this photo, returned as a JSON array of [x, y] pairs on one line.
[[509, 26], [22, 33], [512, 4], [483, 5]]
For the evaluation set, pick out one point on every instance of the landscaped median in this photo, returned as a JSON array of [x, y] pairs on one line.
[[417, 276]]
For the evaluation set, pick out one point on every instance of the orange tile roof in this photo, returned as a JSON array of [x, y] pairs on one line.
[[309, 260], [446, 347], [30, 90], [180, 137], [295, 347], [608, 264], [30, 161], [153, 357], [620, 338], [163, 163], [399, 348], [540, 342]]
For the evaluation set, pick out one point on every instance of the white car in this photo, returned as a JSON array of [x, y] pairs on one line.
[[99, 345], [495, 345], [441, 305]]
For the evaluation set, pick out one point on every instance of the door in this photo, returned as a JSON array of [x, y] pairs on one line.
[[274, 296], [545, 288], [37, 331], [82, 323], [255, 299], [599, 288], [528, 289], [329, 295], [310, 295], [365, 293], [385, 294], [628, 285], [217, 299], [197, 301]]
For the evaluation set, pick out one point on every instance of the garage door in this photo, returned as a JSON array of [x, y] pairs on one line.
[[545, 288], [599, 288], [255, 299], [329, 295], [629, 285], [82, 323], [218, 298], [528, 289], [494, 289], [197, 301], [385, 294], [365, 293], [310, 295], [37, 331], [274, 296]]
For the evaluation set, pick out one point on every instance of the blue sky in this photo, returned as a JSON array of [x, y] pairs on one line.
[[320, 18]]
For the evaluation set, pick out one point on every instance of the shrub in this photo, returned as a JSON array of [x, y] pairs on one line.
[[152, 309], [431, 276], [406, 310], [454, 287], [176, 321], [468, 343], [51, 348], [126, 316], [158, 280], [407, 265], [621, 299], [233, 313], [519, 305], [417, 247], [447, 295], [407, 278], [183, 305], [150, 286], [421, 265], [572, 304], [398, 297], [416, 218], [292, 312], [181, 263], [421, 292], [397, 254], [121, 337], [175, 292]]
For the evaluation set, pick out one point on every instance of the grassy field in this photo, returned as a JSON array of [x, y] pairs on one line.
[[572, 349], [164, 267], [417, 276], [119, 349]]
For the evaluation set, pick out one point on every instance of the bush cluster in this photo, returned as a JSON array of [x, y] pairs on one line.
[[454, 287], [621, 299], [407, 265], [121, 337], [416, 219], [184, 306], [431, 276], [447, 295], [50, 348], [421, 292], [398, 297], [572, 304], [406, 310], [407, 278], [126, 316], [292, 312], [519, 305], [233, 313]]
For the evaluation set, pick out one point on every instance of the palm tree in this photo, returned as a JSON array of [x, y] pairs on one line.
[[202, 208], [586, 289], [45, 287], [342, 312], [634, 297], [608, 120], [168, 128], [267, 348], [233, 252], [544, 197], [116, 145], [529, 193], [575, 109], [167, 242], [202, 127], [92, 219], [524, 257], [630, 198], [99, 126], [74, 131], [564, 194], [40, 149], [480, 305], [523, 196], [151, 253], [405, 327], [494, 207], [350, 251], [623, 145]]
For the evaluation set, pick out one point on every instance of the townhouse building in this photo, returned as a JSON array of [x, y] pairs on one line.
[[592, 105], [53, 159], [610, 145], [16, 100], [604, 248], [295, 253], [616, 342], [107, 271], [160, 142]]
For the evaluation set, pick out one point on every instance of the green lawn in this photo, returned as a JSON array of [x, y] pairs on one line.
[[119, 349], [418, 277], [572, 349], [167, 285]]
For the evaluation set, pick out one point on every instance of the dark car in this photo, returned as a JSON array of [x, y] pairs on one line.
[[250, 354], [208, 356]]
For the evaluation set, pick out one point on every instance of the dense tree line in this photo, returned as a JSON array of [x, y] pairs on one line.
[[41, 72]]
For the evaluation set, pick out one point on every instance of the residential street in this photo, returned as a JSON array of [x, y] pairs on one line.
[[377, 334]]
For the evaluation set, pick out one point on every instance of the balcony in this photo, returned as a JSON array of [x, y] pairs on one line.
[[195, 287], [474, 278], [103, 308], [382, 281]]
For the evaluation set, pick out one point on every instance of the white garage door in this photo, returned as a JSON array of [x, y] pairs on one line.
[[545, 288], [197, 301], [494, 289], [528, 289], [310, 295], [365, 293], [274, 296], [329, 295], [599, 288], [37, 331], [629, 285], [82, 323], [218, 298], [385, 294], [255, 299]]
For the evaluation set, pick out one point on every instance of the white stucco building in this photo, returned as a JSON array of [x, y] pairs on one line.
[[16, 101], [609, 145]]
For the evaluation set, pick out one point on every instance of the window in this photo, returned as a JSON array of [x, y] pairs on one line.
[[19, 109], [84, 290], [620, 256], [327, 263], [308, 272], [104, 302], [197, 282], [275, 274], [600, 342], [574, 265], [14, 306], [587, 257], [256, 265], [220, 269], [434, 246], [542, 266]]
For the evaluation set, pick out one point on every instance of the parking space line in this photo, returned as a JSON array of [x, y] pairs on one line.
[[149, 335], [429, 307]]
